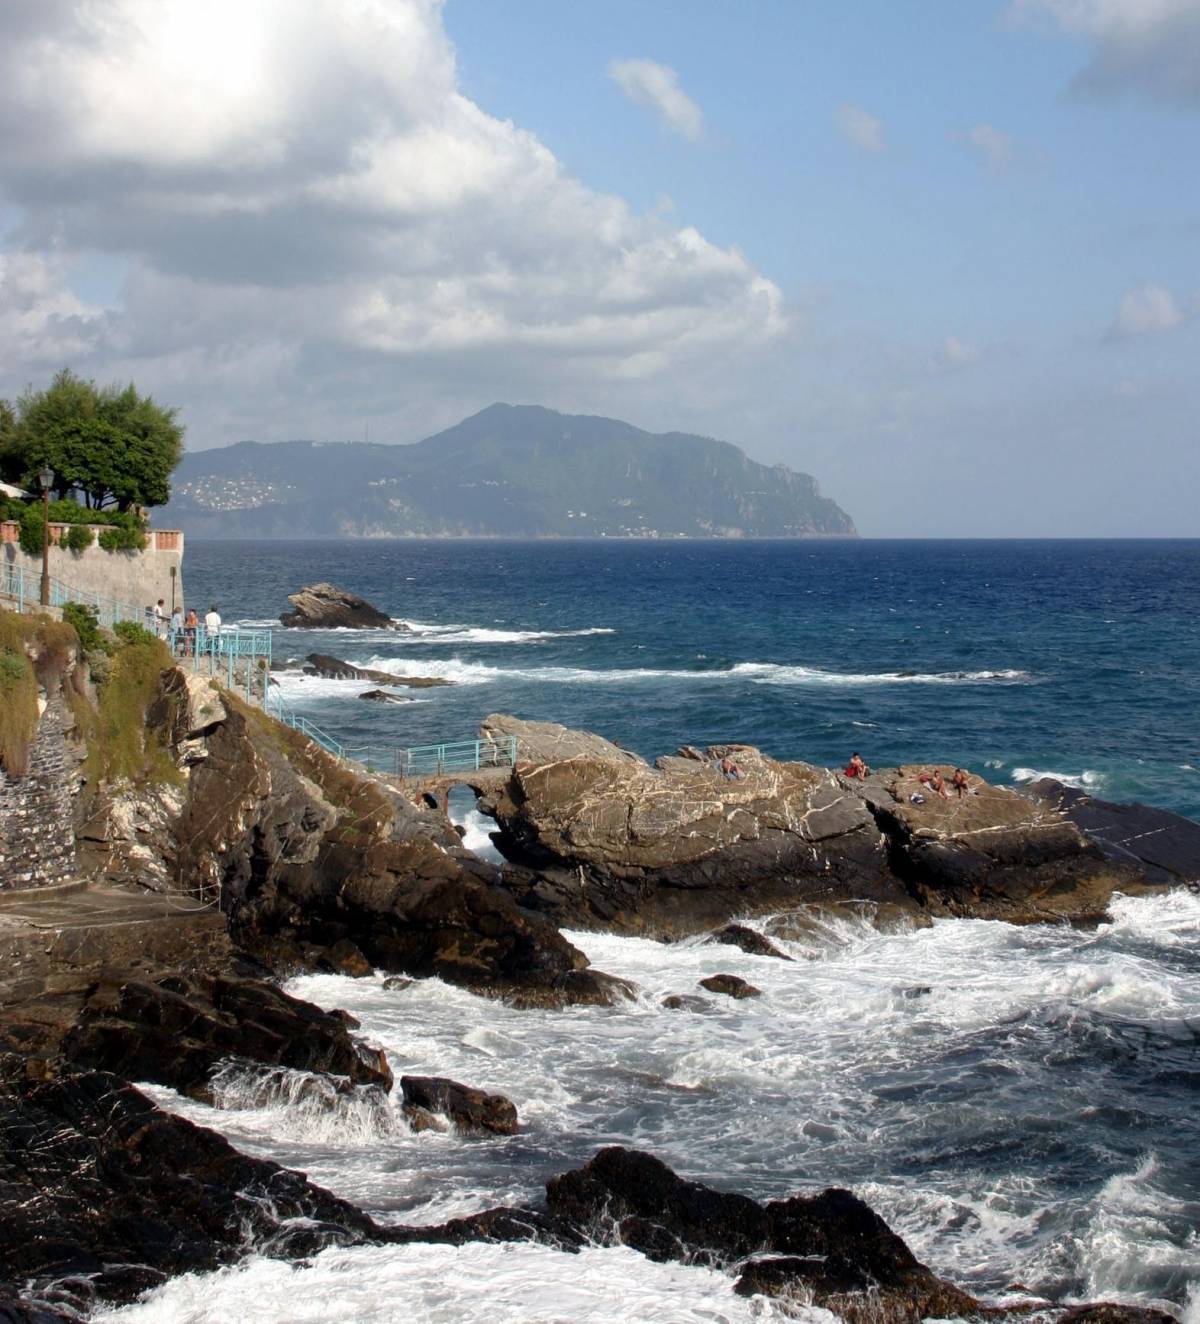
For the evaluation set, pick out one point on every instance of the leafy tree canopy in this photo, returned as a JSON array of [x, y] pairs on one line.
[[116, 447]]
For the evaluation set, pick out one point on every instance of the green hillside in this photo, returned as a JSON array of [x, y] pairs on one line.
[[509, 471]]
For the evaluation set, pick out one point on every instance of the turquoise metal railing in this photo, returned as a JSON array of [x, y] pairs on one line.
[[459, 756], [278, 707], [26, 590], [243, 657]]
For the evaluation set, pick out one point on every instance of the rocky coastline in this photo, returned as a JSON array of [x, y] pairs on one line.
[[292, 861]]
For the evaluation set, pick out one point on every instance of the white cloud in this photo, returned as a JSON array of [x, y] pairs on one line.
[[954, 353], [993, 147], [303, 188], [1150, 47], [860, 127], [1146, 311], [656, 86]]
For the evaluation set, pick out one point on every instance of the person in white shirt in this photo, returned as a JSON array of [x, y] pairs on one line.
[[212, 621]]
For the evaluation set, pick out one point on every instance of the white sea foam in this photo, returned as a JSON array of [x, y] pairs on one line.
[[1086, 780], [466, 634], [759, 673], [425, 632], [771, 673], [872, 1053], [477, 835], [522, 1283]]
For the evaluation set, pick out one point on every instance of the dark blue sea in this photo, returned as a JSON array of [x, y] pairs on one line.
[[1079, 659], [1019, 1102]]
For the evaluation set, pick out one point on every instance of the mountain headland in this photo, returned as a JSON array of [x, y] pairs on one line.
[[508, 471]]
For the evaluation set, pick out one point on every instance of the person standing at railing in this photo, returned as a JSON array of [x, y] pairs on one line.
[[212, 622], [160, 619], [190, 625]]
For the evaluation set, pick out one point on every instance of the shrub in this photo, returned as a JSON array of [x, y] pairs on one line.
[[18, 711], [83, 620], [33, 531], [78, 538], [119, 539], [130, 632], [125, 746]]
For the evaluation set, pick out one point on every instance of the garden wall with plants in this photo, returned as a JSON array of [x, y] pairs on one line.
[[134, 570]]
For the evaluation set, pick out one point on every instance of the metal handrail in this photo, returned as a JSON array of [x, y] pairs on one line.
[[276, 706], [26, 590], [456, 756]]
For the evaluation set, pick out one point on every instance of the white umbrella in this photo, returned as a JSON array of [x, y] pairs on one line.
[[10, 491]]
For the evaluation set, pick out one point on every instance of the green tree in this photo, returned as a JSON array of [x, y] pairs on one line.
[[114, 445]]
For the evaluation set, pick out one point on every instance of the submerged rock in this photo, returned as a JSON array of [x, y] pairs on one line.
[[731, 986], [325, 607], [749, 940], [471, 1110], [328, 667]]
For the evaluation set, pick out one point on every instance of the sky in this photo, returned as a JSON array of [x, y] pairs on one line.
[[942, 254]]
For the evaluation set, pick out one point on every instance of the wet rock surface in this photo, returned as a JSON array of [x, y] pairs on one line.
[[471, 1110], [749, 940], [325, 607]]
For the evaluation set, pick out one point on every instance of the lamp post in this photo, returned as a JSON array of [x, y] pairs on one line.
[[174, 572], [45, 478]]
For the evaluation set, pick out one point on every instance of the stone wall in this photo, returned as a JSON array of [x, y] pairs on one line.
[[138, 578], [37, 834]]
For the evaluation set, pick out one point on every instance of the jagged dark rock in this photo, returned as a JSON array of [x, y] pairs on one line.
[[1109, 1312], [749, 940], [471, 1110], [324, 607], [381, 696], [831, 1246], [1163, 847], [99, 1186], [177, 1031], [731, 986]]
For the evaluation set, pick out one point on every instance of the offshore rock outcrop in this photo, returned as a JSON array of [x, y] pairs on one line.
[[609, 841], [325, 607], [602, 839]]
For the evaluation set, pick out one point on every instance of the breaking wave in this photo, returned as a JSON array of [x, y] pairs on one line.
[[760, 673], [1086, 780]]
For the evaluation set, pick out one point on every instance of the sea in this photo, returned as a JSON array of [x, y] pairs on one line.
[[1020, 1103]]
